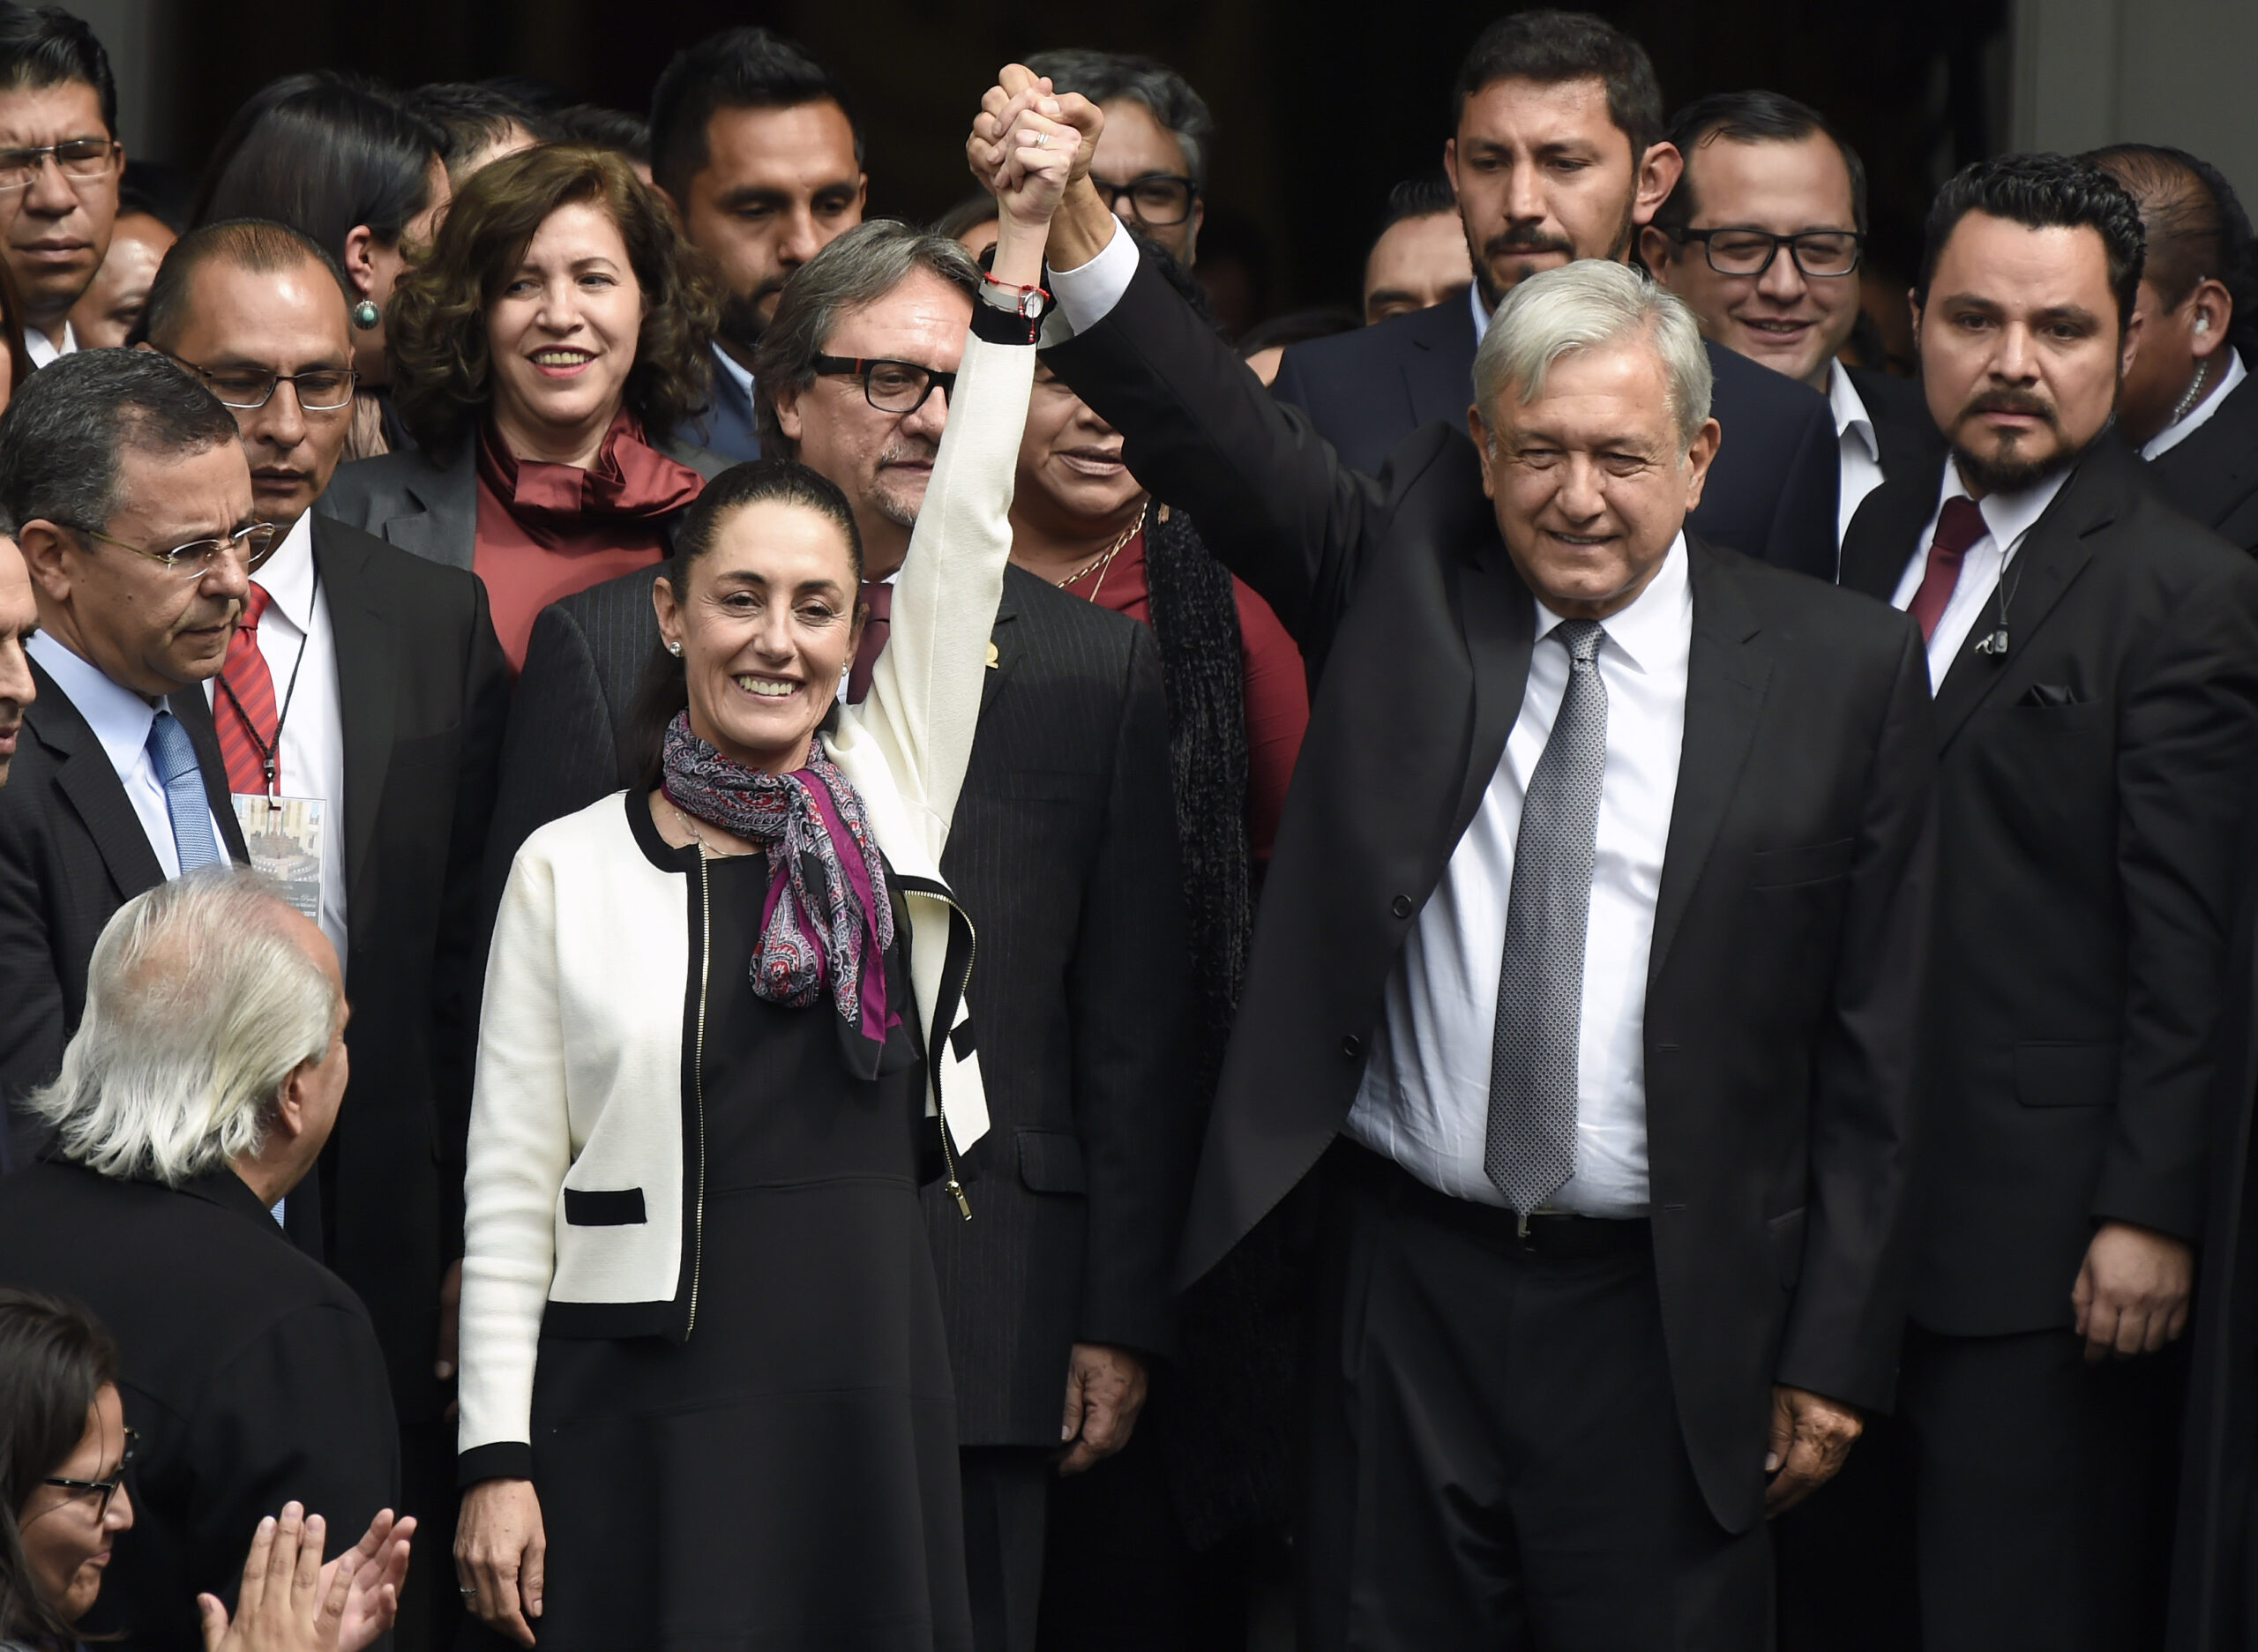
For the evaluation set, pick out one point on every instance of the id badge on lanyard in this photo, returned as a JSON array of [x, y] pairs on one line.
[[285, 837]]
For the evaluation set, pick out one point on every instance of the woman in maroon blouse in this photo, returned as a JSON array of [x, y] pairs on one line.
[[557, 322]]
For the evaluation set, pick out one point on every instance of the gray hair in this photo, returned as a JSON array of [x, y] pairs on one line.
[[859, 268], [64, 430], [1580, 306], [1166, 95], [199, 1005]]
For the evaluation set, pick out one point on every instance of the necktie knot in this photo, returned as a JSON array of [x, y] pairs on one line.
[[1959, 524], [1582, 638]]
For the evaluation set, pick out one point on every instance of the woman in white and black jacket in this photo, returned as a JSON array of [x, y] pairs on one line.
[[705, 1388]]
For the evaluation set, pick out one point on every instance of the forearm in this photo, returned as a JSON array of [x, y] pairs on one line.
[[1082, 227]]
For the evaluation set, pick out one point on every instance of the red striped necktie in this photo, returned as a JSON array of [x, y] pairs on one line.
[[244, 712]]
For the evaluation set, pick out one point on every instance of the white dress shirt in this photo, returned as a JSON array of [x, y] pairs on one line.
[[1424, 1100], [2169, 437], [740, 375], [1861, 472], [43, 350], [2009, 517], [313, 719], [1481, 314], [120, 719]]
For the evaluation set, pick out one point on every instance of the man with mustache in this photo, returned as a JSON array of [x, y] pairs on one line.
[[60, 164], [132, 502], [2095, 658], [752, 142], [1557, 153], [1064, 851], [371, 680]]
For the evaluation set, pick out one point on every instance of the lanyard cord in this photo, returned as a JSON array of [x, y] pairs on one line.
[[270, 753]]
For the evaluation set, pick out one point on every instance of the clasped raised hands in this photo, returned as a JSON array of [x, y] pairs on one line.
[[1029, 143]]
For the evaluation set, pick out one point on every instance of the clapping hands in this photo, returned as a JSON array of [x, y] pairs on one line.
[[290, 1602]]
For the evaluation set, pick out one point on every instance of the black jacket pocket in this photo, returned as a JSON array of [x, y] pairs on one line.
[[604, 1207]]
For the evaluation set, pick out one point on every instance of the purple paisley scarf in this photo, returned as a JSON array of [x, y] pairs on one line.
[[826, 919]]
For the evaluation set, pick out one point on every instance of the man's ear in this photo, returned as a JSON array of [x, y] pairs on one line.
[[290, 1101], [1656, 251], [1658, 175], [786, 400], [43, 546], [2130, 344], [1480, 431]]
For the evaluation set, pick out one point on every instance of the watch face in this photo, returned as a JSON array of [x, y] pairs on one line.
[[1031, 305]]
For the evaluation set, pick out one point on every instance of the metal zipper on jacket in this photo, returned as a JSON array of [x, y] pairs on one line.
[[697, 1083], [952, 1186]]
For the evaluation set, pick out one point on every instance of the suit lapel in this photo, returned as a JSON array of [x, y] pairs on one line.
[[443, 526], [1885, 533], [368, 654], [2054, 553], [1003, 645], [84, 776], [1438, 370], [1498, 618], [1725, 678]]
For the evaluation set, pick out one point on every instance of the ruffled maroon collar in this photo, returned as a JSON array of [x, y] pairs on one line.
[[631, 480]]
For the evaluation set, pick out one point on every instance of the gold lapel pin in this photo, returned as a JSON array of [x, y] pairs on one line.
[[991, 656]]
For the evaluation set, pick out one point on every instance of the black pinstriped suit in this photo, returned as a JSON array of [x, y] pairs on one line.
[[1063, 851]]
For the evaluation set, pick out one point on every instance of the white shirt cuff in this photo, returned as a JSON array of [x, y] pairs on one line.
[[1086, 294]]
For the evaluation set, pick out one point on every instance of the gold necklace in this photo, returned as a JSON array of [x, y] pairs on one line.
[[1104, 559], [705, 851]]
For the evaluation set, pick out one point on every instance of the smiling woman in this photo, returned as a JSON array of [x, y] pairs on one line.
[[558, 324]]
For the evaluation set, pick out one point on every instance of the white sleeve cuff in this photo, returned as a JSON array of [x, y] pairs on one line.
[[1088, 294]]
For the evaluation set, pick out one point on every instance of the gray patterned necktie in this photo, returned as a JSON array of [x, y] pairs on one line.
[[1531, 1149]]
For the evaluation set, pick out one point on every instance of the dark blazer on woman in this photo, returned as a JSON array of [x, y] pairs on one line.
[[410, 500]]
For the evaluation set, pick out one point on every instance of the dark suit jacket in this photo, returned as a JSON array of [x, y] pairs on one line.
[[725, 429], [2212, 477], [409, 500], [1771, 491], [1063, 852], [423, 690], [1792, 915], [248, 1371], [1902, 428], [2091, 786], [71, 852]]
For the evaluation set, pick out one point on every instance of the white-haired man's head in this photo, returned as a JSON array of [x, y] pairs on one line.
[[1591, 412], [213, 1037]]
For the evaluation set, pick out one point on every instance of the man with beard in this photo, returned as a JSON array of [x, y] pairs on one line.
[[132, 502], [1557, 153], [2095, 658], [1063, 851], [752, 142]]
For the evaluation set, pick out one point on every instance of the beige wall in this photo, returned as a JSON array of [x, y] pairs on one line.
[[2088, 72]]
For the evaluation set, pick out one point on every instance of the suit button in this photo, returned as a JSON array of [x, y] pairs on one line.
[[1401, 906], [1352, 1047]]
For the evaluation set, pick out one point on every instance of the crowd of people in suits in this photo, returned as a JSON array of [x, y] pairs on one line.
[[720, 925]]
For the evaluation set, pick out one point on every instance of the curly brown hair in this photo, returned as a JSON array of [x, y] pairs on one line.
[[435, 327]]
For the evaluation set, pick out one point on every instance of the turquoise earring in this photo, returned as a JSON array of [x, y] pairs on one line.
[[365, 316]]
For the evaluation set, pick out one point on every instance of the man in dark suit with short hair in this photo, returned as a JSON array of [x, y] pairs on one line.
[[138, 555], [1557, 152], [2095, 662], [1586, 969], [371, 680], [1063, 851]]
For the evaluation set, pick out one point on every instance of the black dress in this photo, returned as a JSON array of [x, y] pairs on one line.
[[787, 1477]]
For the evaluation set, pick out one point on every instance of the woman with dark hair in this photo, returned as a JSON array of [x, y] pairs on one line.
[[558, 326], [706, 1396], [342, 161], [65, 1448]]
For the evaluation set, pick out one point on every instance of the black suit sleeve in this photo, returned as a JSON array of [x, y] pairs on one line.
[[1802, 531], [1843, 1330], [2187, 748], [1129, 996], [31, 1025], [302, 1412], [459, 959], [560, 753], [1273, 500]]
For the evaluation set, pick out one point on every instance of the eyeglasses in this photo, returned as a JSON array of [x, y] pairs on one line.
[[254, 543], [890, 386], [1750, 251], [81, 160], [106, 1488], [1157, 199], [318, 389]]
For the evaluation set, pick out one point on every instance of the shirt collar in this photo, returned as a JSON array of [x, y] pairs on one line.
[[43, 350], [1481, 312], [119, 717], [1849, 409], [1658, 625], [2008, 516], [740, 375], [288, 576], [2169, 437]]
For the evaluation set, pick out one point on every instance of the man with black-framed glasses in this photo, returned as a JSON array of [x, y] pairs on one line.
[[131, 504], [60, 164], [1151, 161], [1764, 237]]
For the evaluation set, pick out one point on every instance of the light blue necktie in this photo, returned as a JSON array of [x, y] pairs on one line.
[[184, 795]]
